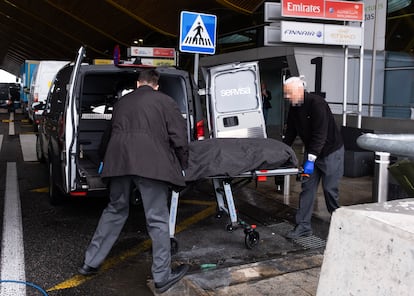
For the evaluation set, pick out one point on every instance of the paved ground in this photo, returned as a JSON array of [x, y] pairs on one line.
[[291, 267]]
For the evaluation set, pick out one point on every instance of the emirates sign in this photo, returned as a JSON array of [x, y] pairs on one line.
[[303, 8], [324, 9]]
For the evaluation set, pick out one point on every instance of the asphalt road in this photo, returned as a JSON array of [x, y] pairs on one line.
[[55, 237]]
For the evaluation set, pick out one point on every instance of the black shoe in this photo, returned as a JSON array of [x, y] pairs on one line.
[[87, 270], [299, 231], [176, 275]]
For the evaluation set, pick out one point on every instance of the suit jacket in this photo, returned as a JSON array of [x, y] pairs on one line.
[[148, 138]]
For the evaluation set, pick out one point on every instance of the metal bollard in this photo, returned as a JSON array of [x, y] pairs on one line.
[[380, 190], [286, 189]]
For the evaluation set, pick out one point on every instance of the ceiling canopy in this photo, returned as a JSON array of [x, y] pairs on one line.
[[55, 29]]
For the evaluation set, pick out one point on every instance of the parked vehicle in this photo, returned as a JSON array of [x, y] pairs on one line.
[[78, 110], [39, 87], [9, 96], [26, 73]]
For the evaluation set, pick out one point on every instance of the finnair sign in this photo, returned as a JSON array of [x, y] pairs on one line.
[[301, 32], [315, 33]]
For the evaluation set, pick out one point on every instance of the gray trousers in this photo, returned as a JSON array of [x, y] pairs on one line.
[[155, 201], [330, 170]]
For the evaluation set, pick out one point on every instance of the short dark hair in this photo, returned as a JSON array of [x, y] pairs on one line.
[[150, 76]]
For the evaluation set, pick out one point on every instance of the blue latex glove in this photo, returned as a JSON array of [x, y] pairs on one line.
[[309, 167], [100, 167]]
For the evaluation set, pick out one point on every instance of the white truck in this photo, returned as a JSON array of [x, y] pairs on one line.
[[39, 87]]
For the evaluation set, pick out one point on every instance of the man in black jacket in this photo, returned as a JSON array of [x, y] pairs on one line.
[[311, 119], [148, 147]]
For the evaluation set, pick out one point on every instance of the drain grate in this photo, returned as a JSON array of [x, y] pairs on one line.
[[310, 242]]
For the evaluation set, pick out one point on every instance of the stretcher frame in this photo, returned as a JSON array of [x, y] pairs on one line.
[[225, 202]]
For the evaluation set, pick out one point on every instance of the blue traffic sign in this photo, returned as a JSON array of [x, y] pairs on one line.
[[198, 32]]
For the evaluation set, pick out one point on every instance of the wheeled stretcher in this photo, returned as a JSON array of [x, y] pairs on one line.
[[270, 158]]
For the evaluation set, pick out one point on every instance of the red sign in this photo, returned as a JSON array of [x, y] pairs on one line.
[[344, 10], [164, 52], [324, 9], [303, 8]]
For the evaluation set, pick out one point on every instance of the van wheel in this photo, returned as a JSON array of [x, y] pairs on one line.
[[55, 195], [39, 152]]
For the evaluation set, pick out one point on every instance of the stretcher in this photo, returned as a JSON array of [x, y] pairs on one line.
[[229, 162], [225, 203]]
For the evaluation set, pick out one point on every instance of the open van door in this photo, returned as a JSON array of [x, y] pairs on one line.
[[71, 125], [234, 104]]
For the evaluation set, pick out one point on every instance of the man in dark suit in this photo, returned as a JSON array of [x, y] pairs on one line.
[[148, 147]]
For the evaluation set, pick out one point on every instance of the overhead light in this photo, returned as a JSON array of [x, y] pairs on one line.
[[138, 41], [395, 5]]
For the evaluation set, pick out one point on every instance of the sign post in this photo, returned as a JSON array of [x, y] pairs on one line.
[[197, 35], [322, 33]]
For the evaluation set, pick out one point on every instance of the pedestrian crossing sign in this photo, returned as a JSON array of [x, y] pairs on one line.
[[198, 32]]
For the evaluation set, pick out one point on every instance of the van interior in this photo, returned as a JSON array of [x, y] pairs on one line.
[[99, 92]]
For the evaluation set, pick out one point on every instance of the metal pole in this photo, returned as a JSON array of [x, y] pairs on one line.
[[344, 107], [374, 57], [382, 161], [361, 78], [196, 60]]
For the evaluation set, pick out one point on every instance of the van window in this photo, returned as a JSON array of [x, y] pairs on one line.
[[174, 86], [236, 92], [57, 96], [105, 89]]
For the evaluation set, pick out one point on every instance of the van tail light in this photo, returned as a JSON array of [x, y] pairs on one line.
[[36, 97], [200, 130], [78, 193]]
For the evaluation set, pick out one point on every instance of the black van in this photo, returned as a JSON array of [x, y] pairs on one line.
[[78, 110]]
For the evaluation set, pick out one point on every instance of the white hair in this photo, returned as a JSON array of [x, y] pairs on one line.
[[296, 79]]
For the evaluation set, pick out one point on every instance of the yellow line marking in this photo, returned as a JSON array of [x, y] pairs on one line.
[[145, 245], [197, 202], [40, 190]]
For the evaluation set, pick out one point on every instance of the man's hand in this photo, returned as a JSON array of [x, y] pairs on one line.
[[309, 167]]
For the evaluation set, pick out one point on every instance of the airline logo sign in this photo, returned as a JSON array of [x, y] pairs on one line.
[[301, 32], [315, 33], [324, 9], [152, 52], [343, 35], [303, 8], [198, 32], [344, 10]]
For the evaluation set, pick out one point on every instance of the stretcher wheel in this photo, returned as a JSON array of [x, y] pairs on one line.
[[174, 246], [230, 228], [251, 239]]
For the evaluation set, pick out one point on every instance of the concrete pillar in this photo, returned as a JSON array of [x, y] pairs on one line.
[[370, 251]]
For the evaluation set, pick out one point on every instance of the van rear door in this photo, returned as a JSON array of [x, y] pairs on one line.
[[71, 127], [234, 105], [176, 84]]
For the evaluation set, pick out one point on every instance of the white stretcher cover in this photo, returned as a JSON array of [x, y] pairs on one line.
[[234, 156]]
